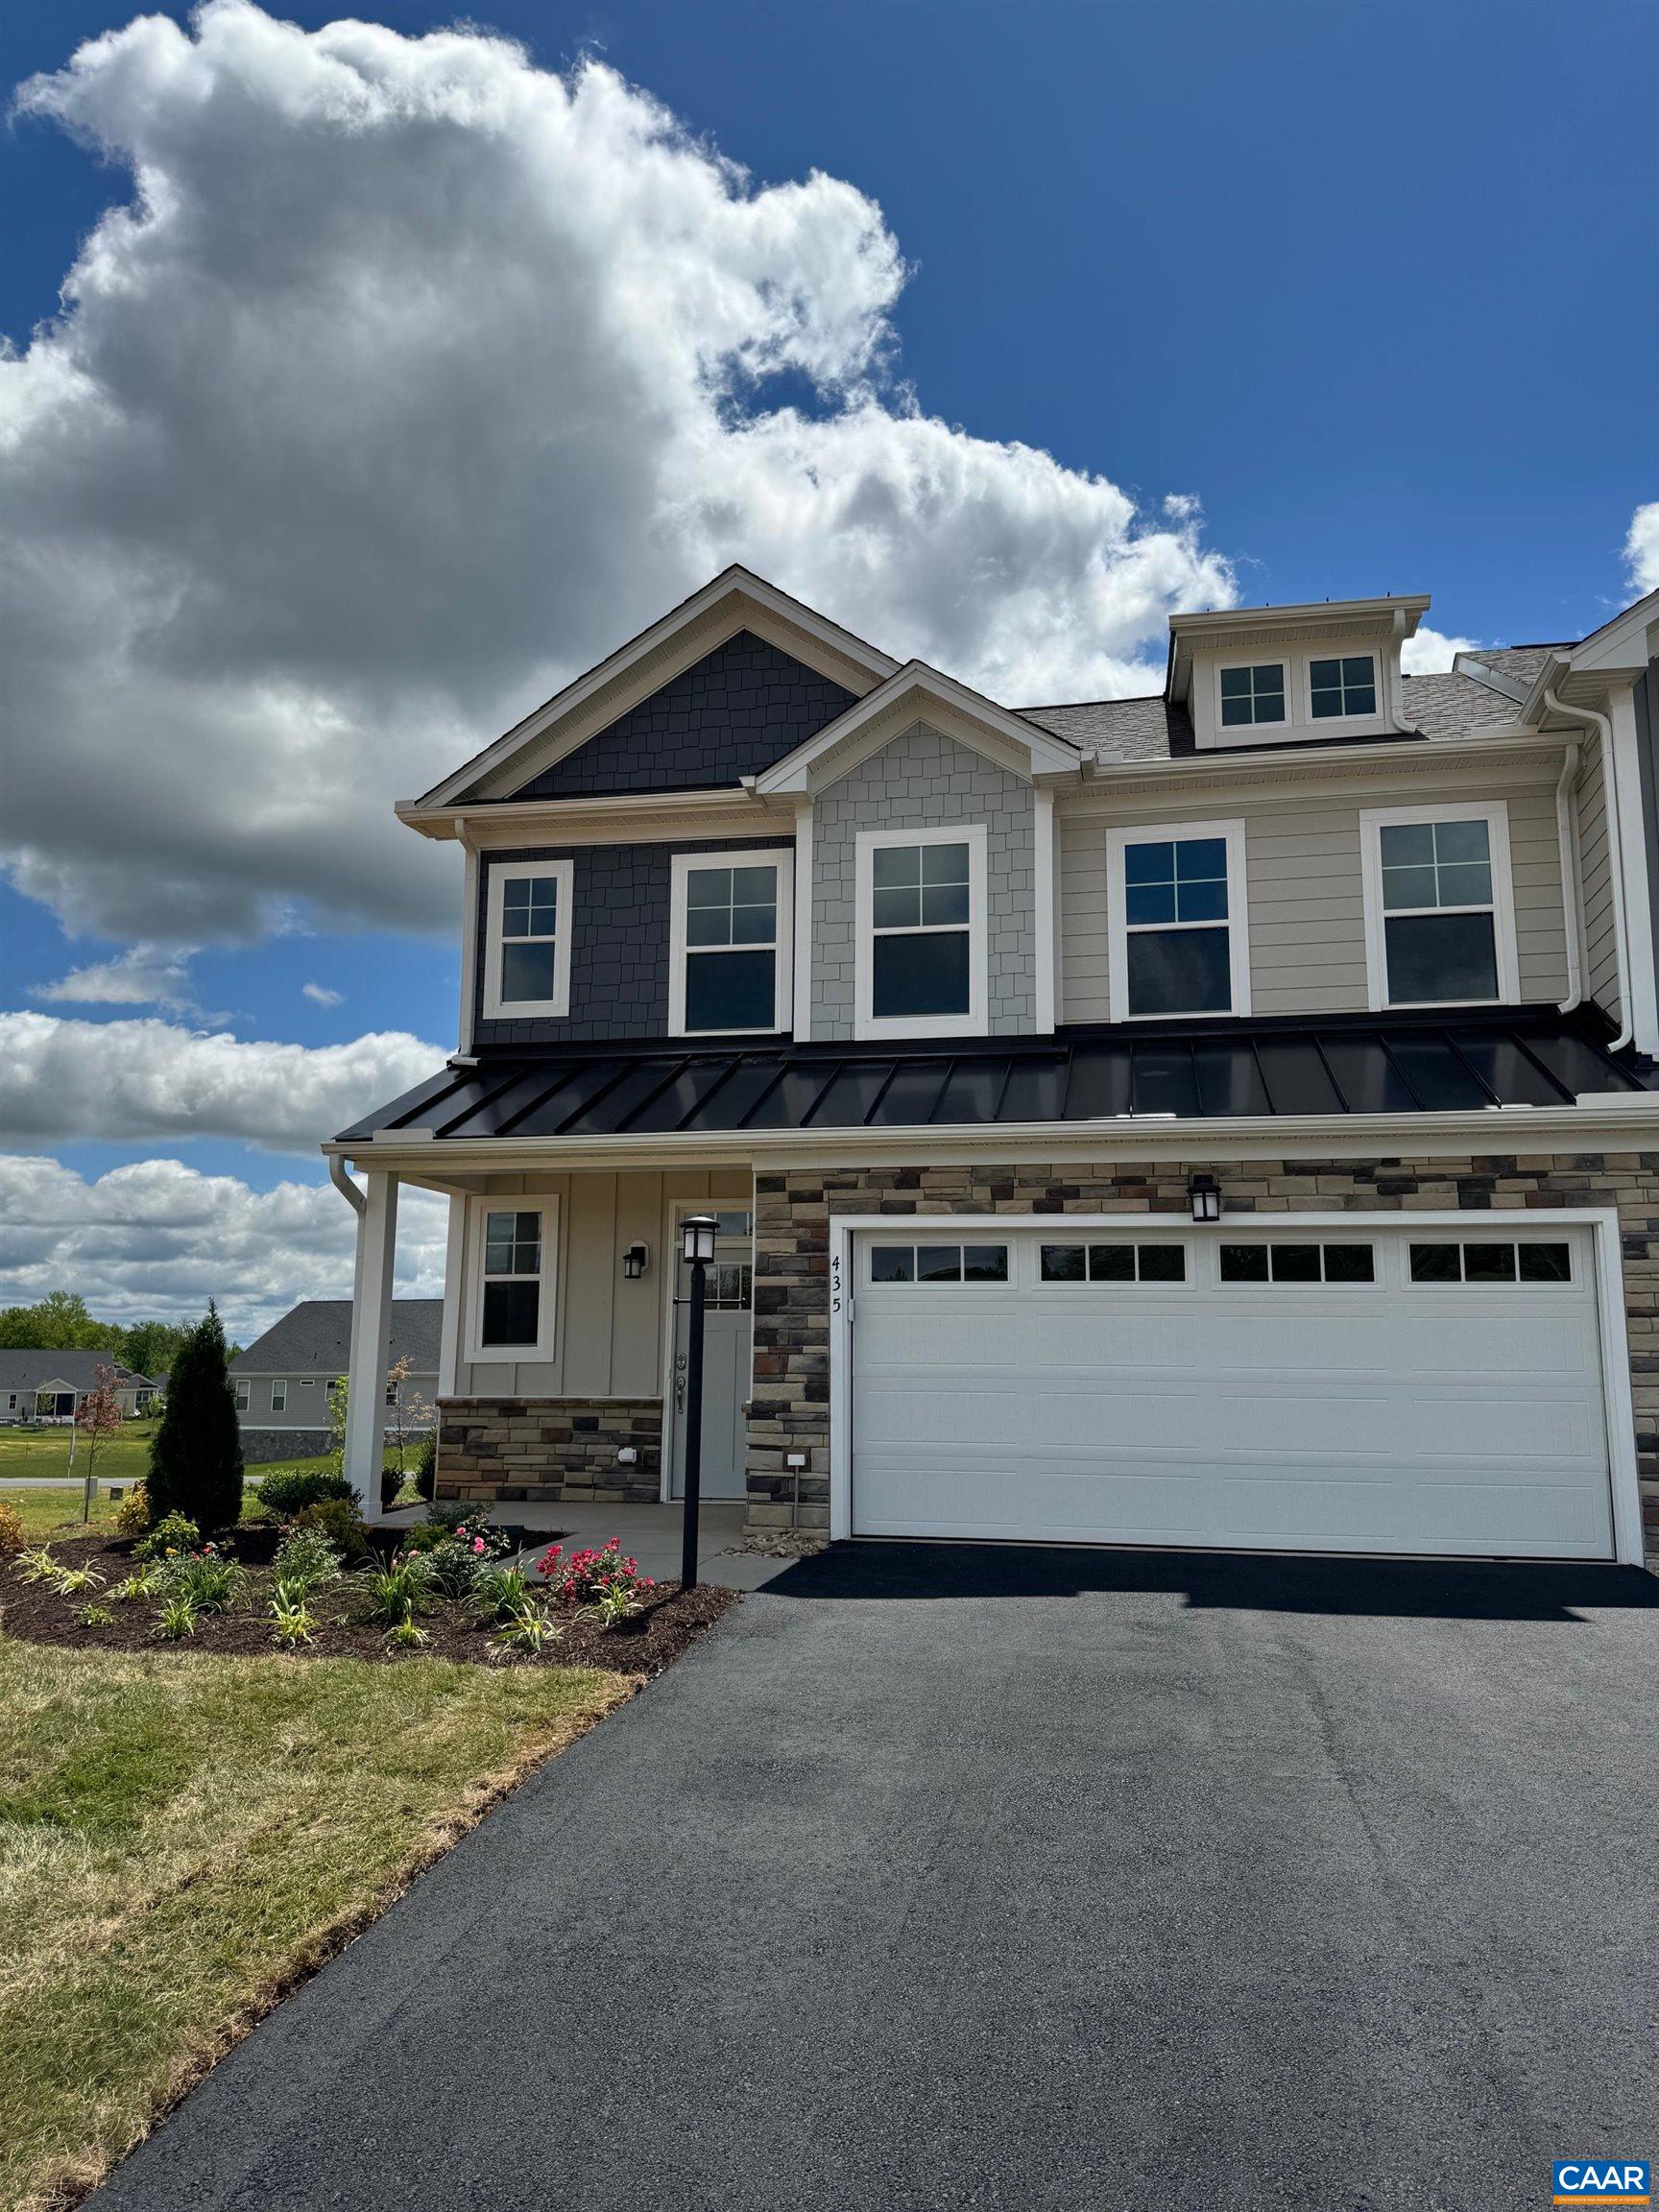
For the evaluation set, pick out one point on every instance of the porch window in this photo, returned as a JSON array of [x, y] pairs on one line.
[[731, 968], [513, 1249]]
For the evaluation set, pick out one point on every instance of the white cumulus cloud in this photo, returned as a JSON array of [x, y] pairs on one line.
[[322, 994], [412, 378], [143, 975], [1642, 550], [61, 1080], [1431, 653], [156, 1240]]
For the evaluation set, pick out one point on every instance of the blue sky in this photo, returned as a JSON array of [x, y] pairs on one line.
[[1373, 284]]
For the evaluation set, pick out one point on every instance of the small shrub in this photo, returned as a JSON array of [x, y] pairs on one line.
[[287, 1491], [208, 1579], [587, 1576], [133, 1514], [339, 1520], [97, 1616], [427, 1466], [307, 1560], [390, 1484], [405, 1635], [196, 1453], [176, 1620], [10, 1530], [172, 1532], [531, 1630], [449, 1513], [36, 1564], [456, 1563], [292, 1621], [497, 1592], [393, 1593]]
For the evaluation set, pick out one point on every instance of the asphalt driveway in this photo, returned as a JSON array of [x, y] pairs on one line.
[[949, 1877]]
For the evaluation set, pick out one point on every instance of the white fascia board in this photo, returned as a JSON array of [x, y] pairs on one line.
[[1622, 645], [1362, 766], [1615, 1120], [916, 679], [731, 582], [640, 817]]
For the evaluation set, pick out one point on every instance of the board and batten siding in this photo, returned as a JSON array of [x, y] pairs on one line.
[[1595, 879], [608, 1331], [1306, 895]]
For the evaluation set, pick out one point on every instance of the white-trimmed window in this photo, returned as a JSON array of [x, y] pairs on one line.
[[278, 1397], [1252, 694], [1439, 912], [1176, 903], [527, 940], [1341, 686], [244, 1393], [731, 962], [920, 967], [514, 1253]]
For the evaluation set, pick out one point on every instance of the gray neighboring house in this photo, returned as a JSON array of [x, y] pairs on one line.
[[50, 1385], [281, 1380]]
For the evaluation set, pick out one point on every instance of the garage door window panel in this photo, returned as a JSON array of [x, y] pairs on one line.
[[1490, 1260], [932, 1265], [1285, 1262], [1438, 908], [1065, 1263], [1176, 903]]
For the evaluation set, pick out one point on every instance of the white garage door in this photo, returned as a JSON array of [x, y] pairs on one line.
[[1350, 1390]]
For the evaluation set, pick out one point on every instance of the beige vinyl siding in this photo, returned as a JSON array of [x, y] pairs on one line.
[[1306, 898], [608, 1331], [1596, 874]]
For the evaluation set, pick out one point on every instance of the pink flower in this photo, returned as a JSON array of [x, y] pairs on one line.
[[478, 1543]]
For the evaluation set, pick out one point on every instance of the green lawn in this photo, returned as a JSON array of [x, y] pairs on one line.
[[55, 1512], [45, 1453], [180, 1837]]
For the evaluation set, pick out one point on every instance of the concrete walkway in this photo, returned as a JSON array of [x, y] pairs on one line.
[[937, 1879]]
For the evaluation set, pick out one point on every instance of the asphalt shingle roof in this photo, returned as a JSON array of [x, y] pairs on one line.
[[316, 1339], [28, 1370], [1520, 662]]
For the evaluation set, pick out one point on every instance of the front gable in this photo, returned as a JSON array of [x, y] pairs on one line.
[[735, 712]]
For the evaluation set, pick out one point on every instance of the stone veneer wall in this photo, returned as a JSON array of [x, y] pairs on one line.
[[265, 1447], [790, 1410], [519, 1449]]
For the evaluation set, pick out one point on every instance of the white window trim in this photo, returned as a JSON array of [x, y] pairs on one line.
[[1495, 813], [1118, 922], [682, 868], [496, 1007], [1342, 722], [976, 1022], [243, 1391], [1287, 668], [278, 1403], [546, 1204]]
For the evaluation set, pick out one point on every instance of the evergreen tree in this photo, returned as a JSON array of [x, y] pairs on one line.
[[195, 1454]]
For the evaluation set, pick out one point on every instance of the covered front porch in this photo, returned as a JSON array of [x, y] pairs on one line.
[[652, 1534], [563, 1359]]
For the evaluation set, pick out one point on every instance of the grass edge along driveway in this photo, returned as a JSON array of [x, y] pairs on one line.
[[182, 1839]]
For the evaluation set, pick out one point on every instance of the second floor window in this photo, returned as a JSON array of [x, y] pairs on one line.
[[1437, 907], [1342, 687], [1176, 898], [920, 921], [1253, 694], [731, 951], [527, 954]]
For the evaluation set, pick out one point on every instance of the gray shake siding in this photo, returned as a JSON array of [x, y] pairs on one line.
[[1646, 696], [1595, 883], [619, 941], [925, 781]]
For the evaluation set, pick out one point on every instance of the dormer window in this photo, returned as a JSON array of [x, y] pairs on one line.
[[527, 959], [1253, 694], [1342, 687]]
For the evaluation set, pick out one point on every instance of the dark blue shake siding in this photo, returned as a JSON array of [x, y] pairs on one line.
[[619, 946]]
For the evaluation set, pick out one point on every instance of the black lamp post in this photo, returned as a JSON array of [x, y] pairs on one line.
[[697, 1235]]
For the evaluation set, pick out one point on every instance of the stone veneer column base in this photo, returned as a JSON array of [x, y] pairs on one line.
[[790, 1408], [520, 1449]]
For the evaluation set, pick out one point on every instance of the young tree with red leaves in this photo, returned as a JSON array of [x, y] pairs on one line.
[[98, 1417]]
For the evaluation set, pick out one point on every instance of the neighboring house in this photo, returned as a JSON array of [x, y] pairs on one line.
[[51, 1385], [964, 1020], [281, 1380]]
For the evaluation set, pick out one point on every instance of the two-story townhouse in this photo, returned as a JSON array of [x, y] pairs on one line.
[[1217, 1118]]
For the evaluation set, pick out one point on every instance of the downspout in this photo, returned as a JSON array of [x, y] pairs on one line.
[[342, 1182], [1615, 857], [1569, 876], [1392, 690]]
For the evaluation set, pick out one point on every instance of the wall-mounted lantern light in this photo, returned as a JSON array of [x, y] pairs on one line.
[[635, 1260], [1206, 1197]]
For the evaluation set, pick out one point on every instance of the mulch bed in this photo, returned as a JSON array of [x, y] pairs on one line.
[[33, 1611]]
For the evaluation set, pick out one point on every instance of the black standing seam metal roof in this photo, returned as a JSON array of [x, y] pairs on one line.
[[1345, 1064]]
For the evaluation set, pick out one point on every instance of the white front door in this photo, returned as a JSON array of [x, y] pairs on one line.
[[727, 1357], [1353, 1389]]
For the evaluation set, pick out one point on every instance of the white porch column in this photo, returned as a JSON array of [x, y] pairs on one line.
[[371, 1340]]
